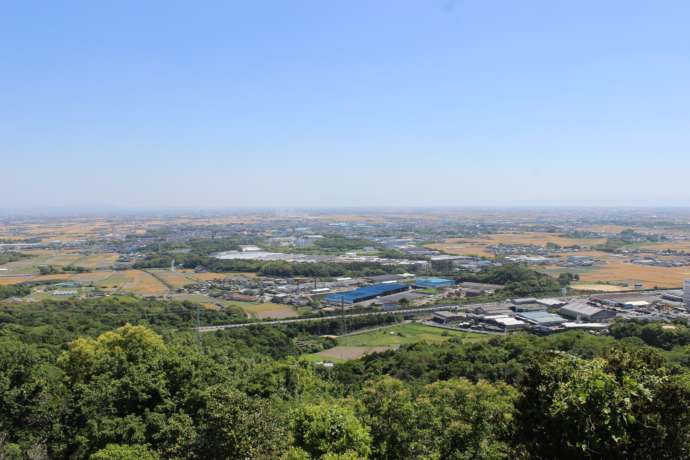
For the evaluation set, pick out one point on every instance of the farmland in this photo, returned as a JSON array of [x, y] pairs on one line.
[[613, 269], [266, 310]]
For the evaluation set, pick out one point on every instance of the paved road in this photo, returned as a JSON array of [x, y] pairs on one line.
[[326, 318], [382, 313]]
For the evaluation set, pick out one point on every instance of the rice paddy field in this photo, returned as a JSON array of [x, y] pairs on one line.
[[615, 269], [479, 246]]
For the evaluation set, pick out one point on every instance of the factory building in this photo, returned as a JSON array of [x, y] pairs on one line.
[[434, 283], [365, 293], [686, 294], [541, 318], [445, 317], [505, 322], [586, 312]]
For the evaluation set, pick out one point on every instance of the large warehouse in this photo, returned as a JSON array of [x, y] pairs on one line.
[[586, 312], [433, 283], [366, 293]]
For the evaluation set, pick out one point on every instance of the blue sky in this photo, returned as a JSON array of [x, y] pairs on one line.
[[344, 103]]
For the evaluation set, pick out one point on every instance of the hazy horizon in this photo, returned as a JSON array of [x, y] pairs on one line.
[[161, 106]]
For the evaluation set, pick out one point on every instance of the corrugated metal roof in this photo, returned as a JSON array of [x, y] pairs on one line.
[[362, 293]]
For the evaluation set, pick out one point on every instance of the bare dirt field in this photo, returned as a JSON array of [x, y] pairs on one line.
[[600, 287], [267, 310]]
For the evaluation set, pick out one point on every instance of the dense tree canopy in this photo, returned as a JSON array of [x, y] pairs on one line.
[[95, 388]]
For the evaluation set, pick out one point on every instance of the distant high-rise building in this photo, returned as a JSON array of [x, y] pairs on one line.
[[686, 294]]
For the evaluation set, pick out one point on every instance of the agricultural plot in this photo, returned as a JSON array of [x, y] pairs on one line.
[[625, 272], [142, 283], [96, 261], [7, 280], [173, 280], [479, 246], [266, 310], [600, 287]]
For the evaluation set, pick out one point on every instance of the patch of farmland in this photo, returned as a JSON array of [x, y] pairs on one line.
[[96, 261], [142, 283], [479, 246], [600, 287], [113, 281], [174, 280], [625, 272], [96, 278], [33, 278], [267, 310]]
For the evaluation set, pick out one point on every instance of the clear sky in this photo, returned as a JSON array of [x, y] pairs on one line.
[[144, 104]]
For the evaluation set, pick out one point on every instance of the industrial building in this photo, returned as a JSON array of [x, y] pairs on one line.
[[434, 283], [551, 303], [524, 301], [476, 289], [505, 322], [686, 294], [388, 278], [585, 311], [445, 317], [541, 318], [365, 293], [393, 301]]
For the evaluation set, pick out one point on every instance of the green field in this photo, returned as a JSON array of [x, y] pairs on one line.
[[388, 338], [404, 334]]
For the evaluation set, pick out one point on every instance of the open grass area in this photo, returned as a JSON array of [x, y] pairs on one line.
[[404, 334], [375, 341]]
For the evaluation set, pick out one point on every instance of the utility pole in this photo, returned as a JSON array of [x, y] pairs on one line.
[[198, 329], [343, 328]]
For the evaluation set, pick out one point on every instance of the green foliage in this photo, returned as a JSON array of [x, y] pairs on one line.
[[49, 270], [75, 269], [56, 322], [14, 290], [658, 335], [11, 256], [518, 280], [123, 452], [237, 426], [330, 428], [154, 390], [613, 407]]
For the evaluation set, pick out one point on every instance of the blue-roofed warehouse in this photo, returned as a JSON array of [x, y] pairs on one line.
[[434, 282], [366, 293]]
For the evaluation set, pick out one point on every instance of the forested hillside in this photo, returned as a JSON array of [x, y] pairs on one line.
[[77, 381]]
